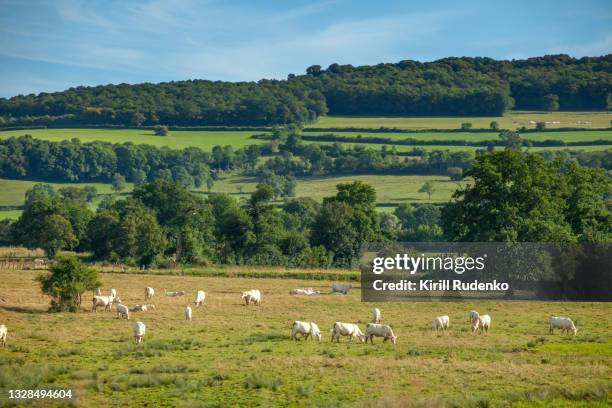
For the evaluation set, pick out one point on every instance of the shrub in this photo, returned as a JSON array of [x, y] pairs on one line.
[[68, 280]]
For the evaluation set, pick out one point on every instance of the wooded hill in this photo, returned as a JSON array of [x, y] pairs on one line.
[[450, 86]]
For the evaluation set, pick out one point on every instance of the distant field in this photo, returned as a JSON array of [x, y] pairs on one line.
[[207, 140], [511, 120], [175, 139], [389, 189], [233, 355], [12, 192]]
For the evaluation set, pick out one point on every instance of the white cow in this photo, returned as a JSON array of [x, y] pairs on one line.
[[379, 330], [143, 308], [441, 323], [252, 296], [139, 331], [149, 292], [114, 293], [3, 334], [564, 323], [473, 315], [97, 292], [175, 294], [302, 291], [341, 288], [188, 313], [376, 315], [106, 301], [346, 329], [482, 323], [122, 311], [199, 299], [305, 329]]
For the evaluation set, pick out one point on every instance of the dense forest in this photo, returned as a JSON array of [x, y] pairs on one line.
[[450, 86]]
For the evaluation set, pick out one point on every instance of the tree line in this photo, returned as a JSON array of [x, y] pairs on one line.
[[449, 86], [514, 197]]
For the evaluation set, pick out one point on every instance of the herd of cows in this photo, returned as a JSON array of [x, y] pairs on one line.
[[479, 323]]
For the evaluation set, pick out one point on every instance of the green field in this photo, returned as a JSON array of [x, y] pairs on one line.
[[205, 140], [389, 189], [511, 120], [233, 355], [12, 192]]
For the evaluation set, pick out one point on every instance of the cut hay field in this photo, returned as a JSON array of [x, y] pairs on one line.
[[232, 355], [511, 120], [205, 140]]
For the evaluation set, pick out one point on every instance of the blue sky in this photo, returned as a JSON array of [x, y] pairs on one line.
[[53, 45]]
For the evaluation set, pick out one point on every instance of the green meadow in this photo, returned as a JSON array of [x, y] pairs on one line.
[[234, 355], [205, 140]]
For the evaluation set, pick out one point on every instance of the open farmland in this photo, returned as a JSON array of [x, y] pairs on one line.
[[511, 120], [205, 140], [236, 355], [12, 192], [389, 189]]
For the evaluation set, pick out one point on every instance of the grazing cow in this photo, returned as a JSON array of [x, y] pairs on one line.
[[473, 315], [564, 323], [379, 330], [441, 323], [106, 301], [149, 292], [188, 313], [252, 296], [199, 299], [3, 334], [341, 288], [305, 329], [175, 294], [306, 292], [346, 329], [122, 311], [139, 331], [376, 315], [482, 323]]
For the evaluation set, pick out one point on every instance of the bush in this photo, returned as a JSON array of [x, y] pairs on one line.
[[161, 130], [68, 279]]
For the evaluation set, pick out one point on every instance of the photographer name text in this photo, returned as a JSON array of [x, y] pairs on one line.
[[439, 285]]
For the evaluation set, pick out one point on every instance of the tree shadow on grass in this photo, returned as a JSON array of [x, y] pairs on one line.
[[21, 309]]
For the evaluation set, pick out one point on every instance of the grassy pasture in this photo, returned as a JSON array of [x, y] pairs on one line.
[[205, 140], [511, 120], [393, 189], [12, 192], [390, 189], [232, 355]]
